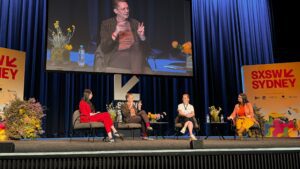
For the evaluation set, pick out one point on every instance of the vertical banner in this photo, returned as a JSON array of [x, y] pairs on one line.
[[275, 89], [12, 70]]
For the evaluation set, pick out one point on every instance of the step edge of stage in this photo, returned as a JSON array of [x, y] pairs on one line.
[[145, 152]]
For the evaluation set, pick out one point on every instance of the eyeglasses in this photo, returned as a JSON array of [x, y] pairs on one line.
[[123, 9]]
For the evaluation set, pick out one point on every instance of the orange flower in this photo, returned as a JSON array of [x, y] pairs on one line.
[[187, 51], [175, 44], [187, 45], [187, 48]]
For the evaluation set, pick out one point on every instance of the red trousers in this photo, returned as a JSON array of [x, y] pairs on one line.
[[104, 118]]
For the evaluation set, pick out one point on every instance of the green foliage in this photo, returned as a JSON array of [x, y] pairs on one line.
[[259, 118]]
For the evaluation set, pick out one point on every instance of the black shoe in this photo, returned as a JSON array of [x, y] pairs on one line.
[[111, 140], [119, 135]]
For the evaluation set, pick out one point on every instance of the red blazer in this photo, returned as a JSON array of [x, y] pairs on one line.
[[85, 111]]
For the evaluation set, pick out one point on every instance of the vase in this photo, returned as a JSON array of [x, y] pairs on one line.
[[113, 114], [189, 61], [60, 55]]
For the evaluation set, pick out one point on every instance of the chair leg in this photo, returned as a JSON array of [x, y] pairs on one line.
[[256, 134], [94, 133], [71, 134], [235, 132], [132, 134], [90, 133], [197, 132], [176, 134], [262, 134]]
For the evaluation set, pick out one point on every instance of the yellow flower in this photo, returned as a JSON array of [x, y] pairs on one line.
[[69, 30], [56, 24], [68, 47], [175, 44], [3, 138], [21, 111], [2, 132], [38, 126]]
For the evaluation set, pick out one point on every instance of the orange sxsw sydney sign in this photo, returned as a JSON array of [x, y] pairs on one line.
[[12, 70], [275, 90]]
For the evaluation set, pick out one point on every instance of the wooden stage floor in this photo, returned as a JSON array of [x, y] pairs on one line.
[[82, 144]]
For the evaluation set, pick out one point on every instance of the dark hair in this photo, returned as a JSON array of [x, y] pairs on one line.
[[186, 95], [244, 98], [86, 98], [115, 3]]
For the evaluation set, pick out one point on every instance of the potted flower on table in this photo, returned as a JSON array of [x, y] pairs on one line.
[[186, 49], [60, 42]]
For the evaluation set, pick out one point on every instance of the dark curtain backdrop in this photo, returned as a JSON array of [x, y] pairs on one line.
[[226, 35]]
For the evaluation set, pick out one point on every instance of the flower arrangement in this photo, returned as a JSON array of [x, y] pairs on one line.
[[154, 117], [112, 110], [60, 42], [23, 119], [185, 48], [214, 113], [58, 39], [3, 135]]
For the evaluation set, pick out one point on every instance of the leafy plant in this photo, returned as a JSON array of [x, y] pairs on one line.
[[112, 110], [259, 118]]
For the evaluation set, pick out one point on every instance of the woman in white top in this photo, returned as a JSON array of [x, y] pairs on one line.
[[186, 114]]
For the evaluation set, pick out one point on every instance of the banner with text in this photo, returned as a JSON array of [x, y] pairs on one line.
[[275, 89], [12, 70]]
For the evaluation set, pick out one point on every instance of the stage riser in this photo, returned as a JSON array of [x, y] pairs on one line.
[[289, 160]]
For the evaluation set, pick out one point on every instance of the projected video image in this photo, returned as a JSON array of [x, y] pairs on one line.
[[148, 37]]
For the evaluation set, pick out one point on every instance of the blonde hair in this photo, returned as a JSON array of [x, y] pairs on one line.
[[127, 95]]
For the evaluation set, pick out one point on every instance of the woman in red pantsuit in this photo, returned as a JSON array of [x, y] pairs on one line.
[[88, 114]]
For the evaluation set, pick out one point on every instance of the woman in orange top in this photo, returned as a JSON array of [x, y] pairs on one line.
[[242, 115]]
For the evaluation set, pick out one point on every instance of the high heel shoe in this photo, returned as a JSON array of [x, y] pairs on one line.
[[182, 131], [193, 138], [109, 140], [149, 128]]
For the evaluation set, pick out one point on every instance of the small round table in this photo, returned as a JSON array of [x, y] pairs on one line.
[[157, 126], [217, 128]]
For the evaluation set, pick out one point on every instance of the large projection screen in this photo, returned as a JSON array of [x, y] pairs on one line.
[[154, 39]]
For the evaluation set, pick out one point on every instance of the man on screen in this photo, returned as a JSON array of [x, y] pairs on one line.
[[123, 41]]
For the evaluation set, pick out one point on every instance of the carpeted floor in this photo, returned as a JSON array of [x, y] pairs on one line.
[[64, 145]]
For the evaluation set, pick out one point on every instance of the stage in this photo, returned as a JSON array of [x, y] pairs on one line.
[[161, 153], [82, 144]]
